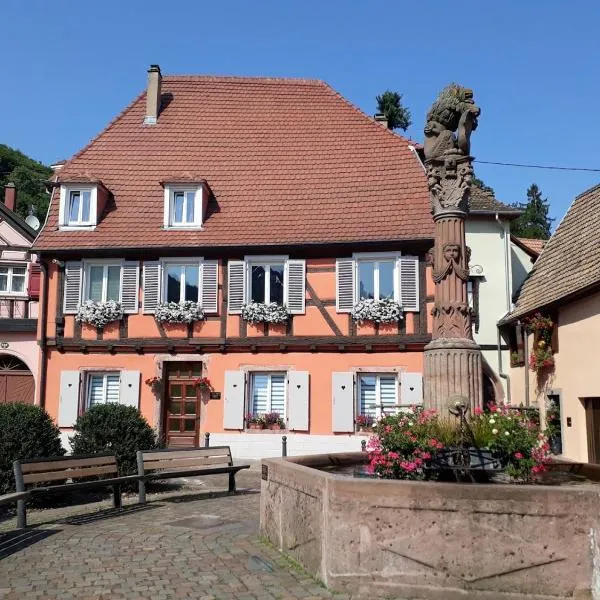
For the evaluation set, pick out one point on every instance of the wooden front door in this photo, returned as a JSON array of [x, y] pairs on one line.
[[16, 381], [182, 417], [592, 417]]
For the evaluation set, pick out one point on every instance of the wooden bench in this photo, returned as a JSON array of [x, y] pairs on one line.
[[172, 463], [67, 472]]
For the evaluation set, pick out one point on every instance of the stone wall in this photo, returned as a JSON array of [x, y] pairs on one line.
[[426, 540]]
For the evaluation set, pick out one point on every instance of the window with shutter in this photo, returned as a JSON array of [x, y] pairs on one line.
[[68, 403], [73, 279], [151, 285], [409, 283], [411, 388], [210, 286], [298, 400], [236, 284], [34, 284], [342, 386], [267, 393], [344, 275], [296, 286], [103, 388], [233, 403]]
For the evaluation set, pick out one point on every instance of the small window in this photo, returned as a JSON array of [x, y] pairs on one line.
[[182, 282], [103, 388], [12, 279], [184, 208], [79, 208], [377, 394], [103, 282], [376, 279], [267, 393], [267, 283]]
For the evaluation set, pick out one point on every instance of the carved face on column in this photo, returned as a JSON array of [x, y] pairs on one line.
[[452, 252]]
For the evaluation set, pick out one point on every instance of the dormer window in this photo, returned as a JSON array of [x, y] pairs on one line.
[[81, 205], [185, 205]]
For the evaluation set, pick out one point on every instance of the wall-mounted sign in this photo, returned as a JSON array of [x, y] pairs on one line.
[[215, 396]]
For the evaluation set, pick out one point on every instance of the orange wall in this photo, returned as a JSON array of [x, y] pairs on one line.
[[319, 365]]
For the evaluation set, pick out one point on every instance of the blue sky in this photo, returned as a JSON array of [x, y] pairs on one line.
[[68, 67]]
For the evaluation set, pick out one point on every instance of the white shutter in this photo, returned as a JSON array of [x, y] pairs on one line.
[[236, 285], [233, 405], [344, 279], [210, 286], [409, 283], [130, 284], [73, 277], [342, 402], [68, 403], [411, 388], [296, 286], [130, 388], [152, 272], [298, 395]]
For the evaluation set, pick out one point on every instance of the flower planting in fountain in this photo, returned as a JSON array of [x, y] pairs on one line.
[[410, 444]]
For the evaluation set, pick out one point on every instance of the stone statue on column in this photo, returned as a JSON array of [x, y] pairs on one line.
[[452, 359]]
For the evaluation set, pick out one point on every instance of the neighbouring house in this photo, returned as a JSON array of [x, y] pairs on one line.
[[204, 201], [19, 297], [555, 330]]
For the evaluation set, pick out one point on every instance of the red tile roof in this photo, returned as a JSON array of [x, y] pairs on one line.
[[289, 161], [533, 245]]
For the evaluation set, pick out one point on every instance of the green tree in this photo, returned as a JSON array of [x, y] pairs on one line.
[[29, 177], [390, 105], [535, 221]]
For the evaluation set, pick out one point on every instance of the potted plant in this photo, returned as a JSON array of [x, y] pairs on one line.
[[154, 383], [178, 312], [541, 356], [255, 421], [274, 421], [99, 314], [364, 422], [204, 384], [259, 312], [377, 311]]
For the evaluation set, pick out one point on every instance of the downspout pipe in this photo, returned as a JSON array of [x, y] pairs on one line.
[[526, 369], [501, 373], [43, 337]]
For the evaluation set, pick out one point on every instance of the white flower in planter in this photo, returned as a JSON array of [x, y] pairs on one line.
[[257, 312], [377, 311], [178, 312], [99, 314]]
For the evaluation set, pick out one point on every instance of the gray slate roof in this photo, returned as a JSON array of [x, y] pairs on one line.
[[570, 261]]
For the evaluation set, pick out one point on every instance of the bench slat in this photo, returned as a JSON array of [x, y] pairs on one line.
[[169, 454], [82, 485], [13, 497], [67, 463], [68, 474], [195, 462], [203, 471]]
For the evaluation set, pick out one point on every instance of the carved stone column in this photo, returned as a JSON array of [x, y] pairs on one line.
[[452, 359]]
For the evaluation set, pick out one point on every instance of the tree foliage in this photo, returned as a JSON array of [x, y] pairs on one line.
[[397, 115], [29, 177], [535, 221]]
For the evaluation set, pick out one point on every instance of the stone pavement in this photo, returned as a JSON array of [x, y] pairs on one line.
[[194, 542]]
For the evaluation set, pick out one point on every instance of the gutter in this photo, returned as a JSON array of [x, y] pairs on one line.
[[507, 269]]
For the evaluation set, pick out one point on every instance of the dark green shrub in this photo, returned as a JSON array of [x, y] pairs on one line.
[[26, 431], [113, 428]]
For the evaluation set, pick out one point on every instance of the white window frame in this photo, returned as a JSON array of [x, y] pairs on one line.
[[265, 261], [169, 206], [178, 262], [376, 257], [88, 383], [250, 402], [9, 291], [87, 264], [379, 411], [65, 202]]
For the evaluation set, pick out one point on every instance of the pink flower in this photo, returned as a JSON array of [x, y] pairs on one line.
[[478, 411], [518, 455]]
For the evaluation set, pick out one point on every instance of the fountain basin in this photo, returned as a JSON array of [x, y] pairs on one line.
[[430, 540]]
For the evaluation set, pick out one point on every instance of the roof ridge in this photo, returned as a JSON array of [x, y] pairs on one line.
[[243, 79]]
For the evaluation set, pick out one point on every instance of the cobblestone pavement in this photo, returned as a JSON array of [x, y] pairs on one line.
[[186, 543]]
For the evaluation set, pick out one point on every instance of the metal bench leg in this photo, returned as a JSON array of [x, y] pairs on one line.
[[232, 483], [117, 496], [21, 514], [142, 491]]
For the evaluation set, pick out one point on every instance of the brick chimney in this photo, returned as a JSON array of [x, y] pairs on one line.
[[10, 196], [153, 95]]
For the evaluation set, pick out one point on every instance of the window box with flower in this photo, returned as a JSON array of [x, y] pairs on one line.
[[273, 421], [99, 314], [541, 356], [185, 311], [255, 421], [259, 312], [364, 423], [377, 311]]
